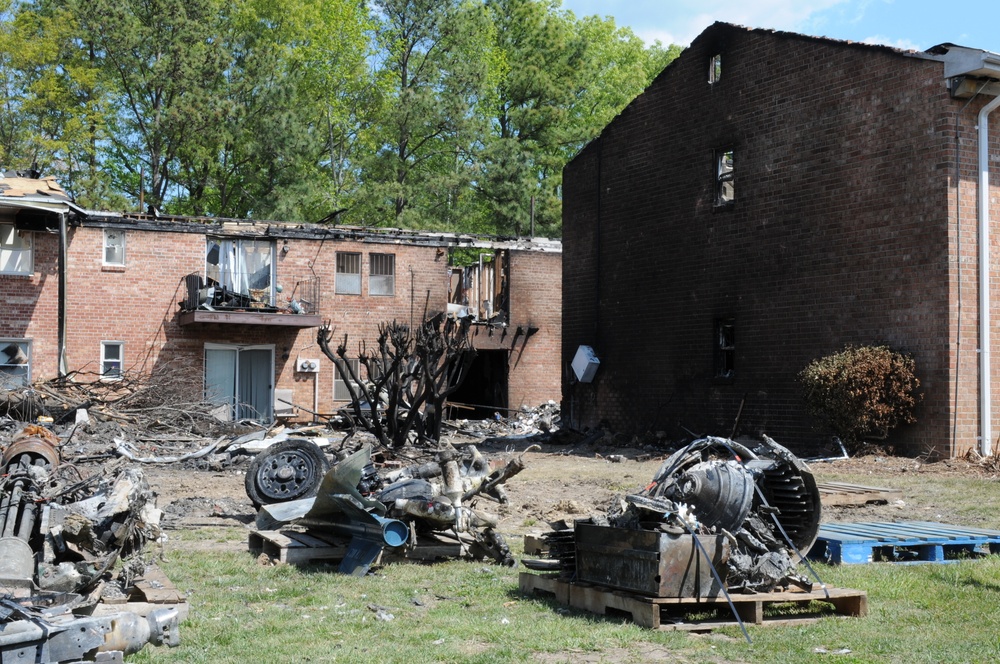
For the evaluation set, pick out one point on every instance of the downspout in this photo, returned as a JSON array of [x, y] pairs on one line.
[[985, 394], [62, 296]]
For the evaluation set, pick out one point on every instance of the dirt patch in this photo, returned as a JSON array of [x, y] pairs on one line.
[[562, 482]]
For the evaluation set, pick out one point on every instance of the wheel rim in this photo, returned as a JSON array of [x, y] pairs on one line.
[[287, 475]]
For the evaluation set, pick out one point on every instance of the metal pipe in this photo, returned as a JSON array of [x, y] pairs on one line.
[[15, 506], [985, 393], [62, 369]]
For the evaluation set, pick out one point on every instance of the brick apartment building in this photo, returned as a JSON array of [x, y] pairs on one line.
[[769, 199], [242, 301]]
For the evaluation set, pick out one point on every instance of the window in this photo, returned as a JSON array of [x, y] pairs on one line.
[[111, 359], [15, 363], [340, 389], [715, 69], [725, 192], [114, 246], [382, 274], [242, 271], [348, 274], [15, 251], [725, 348]]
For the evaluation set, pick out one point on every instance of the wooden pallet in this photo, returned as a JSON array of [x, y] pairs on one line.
[[838, 494], [692, 614], [300, 548], [901, 542], [153, 590], [297, 548]]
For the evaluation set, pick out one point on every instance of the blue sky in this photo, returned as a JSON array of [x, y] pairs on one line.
[[907, 24]]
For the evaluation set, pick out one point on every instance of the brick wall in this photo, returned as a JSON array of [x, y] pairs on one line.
[[843, 231], [138, 305], [536, 308]]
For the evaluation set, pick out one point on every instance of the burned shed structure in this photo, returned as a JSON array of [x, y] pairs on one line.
[[769, 199], [237, 303]]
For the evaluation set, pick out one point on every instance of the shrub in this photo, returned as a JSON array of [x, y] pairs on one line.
[[862, 392]]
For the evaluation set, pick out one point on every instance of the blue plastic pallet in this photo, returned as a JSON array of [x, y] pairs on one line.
[[901, 542]]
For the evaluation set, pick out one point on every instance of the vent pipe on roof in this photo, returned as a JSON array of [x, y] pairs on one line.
[[985, 394]]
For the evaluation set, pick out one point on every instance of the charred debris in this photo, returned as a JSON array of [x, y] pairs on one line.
[[751, 511], [68, 540]]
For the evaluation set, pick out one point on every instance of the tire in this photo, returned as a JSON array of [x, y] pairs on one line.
[[288, 470]]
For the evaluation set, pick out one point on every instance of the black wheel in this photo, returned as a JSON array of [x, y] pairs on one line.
[[286, 471]]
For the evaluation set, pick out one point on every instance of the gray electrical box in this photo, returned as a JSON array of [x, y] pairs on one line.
[[585, 364]]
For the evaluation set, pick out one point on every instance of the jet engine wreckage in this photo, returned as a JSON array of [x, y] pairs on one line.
[[764, 501], [293, 485], [750, 513], [60, 536]]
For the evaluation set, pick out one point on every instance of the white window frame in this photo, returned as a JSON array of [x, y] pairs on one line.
[[25, 347], [340, 391], [105, 374], [382, 274], [17, 254], [348, 282], [114, 242]]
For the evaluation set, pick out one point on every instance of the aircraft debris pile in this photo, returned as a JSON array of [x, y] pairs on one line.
[[763, 500], [61, 535], [396, 509], [758, 508]]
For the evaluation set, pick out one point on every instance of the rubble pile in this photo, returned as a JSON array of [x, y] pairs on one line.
[[65, 538], [157, 405], [763, 500], [540, 421], [295, 484]]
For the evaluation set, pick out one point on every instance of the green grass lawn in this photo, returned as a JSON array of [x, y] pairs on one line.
[[241, 611]]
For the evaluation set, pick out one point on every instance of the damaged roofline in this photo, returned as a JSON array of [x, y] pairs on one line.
[[277, 229]]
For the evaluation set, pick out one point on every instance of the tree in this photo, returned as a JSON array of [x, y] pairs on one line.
[[431, 68], [557, 82], [288, 100], [410, 375], [54, 107], [164, 65]]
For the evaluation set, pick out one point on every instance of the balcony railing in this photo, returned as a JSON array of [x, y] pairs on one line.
[[267, 306]]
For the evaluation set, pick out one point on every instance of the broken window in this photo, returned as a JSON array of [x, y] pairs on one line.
[[715, 68], [114, 247], [348, 273], [243, 270], [382, 274], [340, 389], [725, 192], [15, 251], [15, 363], [725, 348], [111, 359]]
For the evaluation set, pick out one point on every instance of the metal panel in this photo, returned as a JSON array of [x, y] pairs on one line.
[[650, 563]]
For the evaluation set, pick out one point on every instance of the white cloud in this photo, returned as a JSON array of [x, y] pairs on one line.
[[904, 44]]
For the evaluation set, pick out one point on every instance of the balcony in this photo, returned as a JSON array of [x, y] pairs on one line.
[[208, 301]]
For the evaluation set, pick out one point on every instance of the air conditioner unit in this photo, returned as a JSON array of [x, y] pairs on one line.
[[307, 365]]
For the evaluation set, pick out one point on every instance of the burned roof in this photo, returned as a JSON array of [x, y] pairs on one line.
[[18, 186]]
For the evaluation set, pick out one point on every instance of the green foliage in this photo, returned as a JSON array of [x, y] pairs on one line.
[[862, 391], [453, 115]]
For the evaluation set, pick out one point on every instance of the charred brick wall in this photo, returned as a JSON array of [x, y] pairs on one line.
[[843, 231], [535, 310]]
